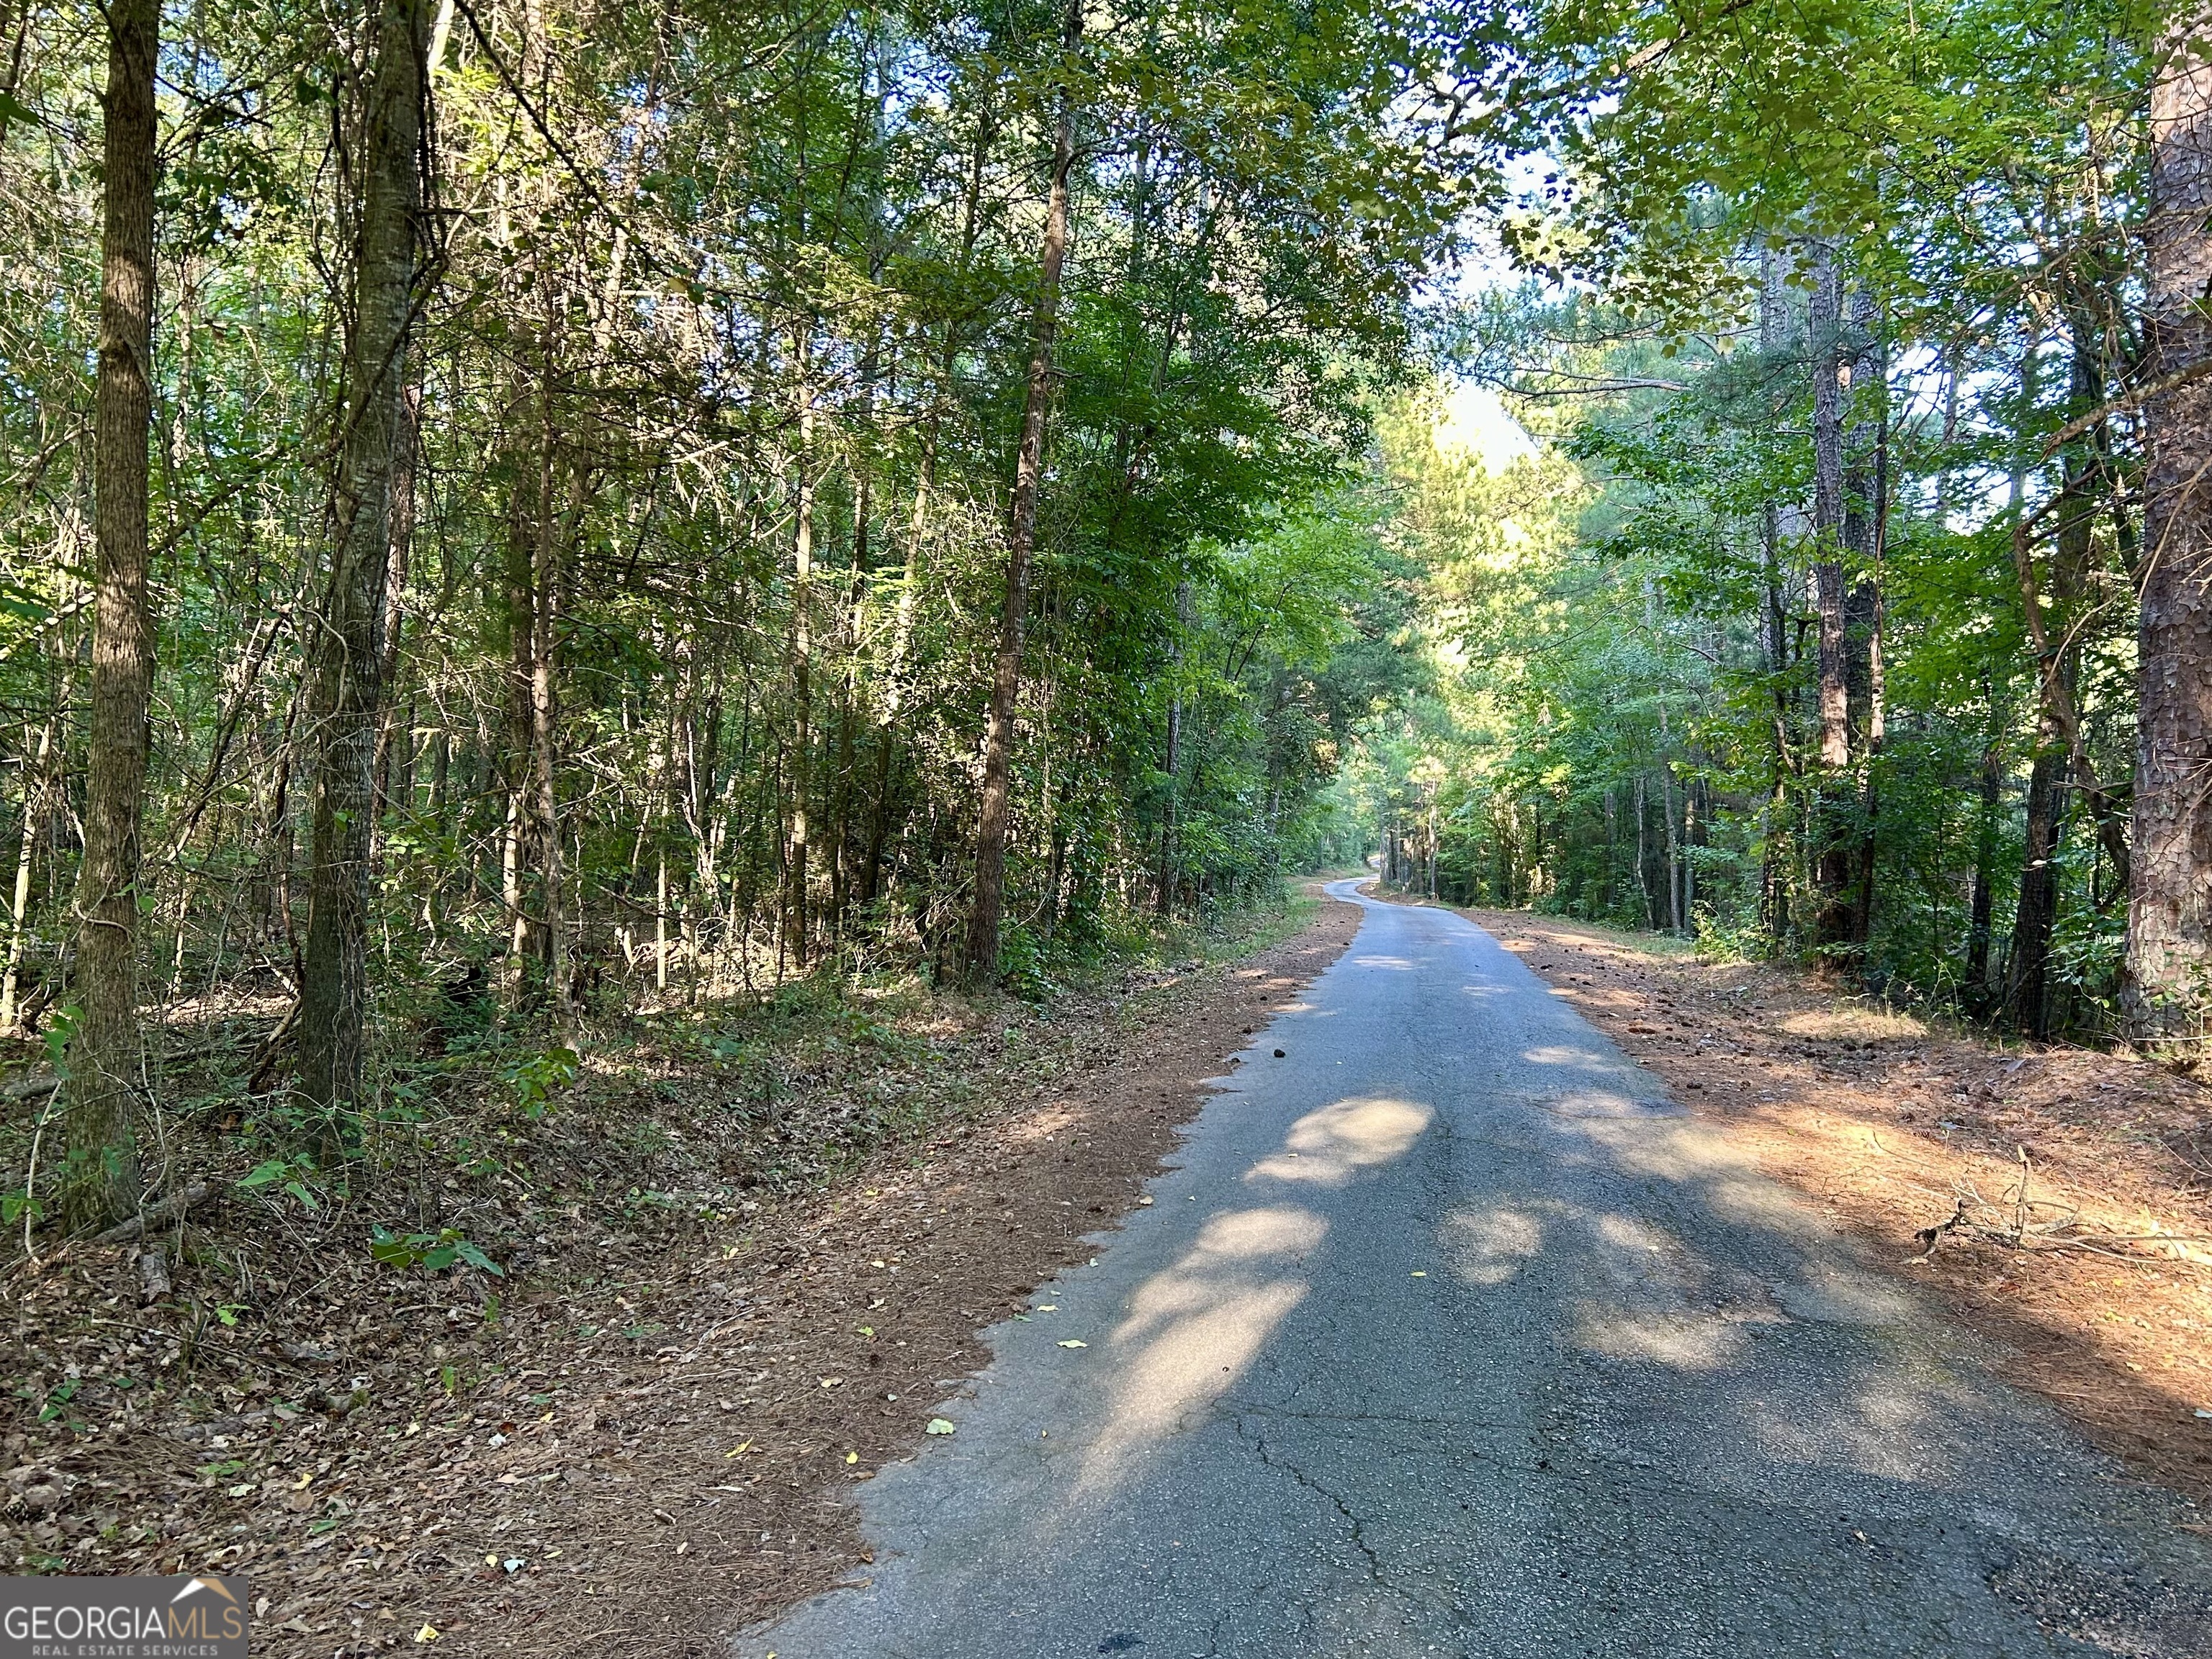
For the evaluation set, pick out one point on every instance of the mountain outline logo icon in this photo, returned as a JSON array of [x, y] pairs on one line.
[[194, 1585]]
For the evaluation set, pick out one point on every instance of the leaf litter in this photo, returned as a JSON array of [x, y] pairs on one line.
[[542, 1462]]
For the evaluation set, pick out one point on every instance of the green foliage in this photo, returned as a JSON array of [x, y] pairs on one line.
[[533, 1080], [436, 1250], [724, 277], [292, 1173]]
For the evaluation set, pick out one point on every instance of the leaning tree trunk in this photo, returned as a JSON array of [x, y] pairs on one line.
[[103, 1056], [2169, 918], [982, 958], [346, 679]]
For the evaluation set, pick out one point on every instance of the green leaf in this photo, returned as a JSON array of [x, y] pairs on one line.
[[477, 1259]]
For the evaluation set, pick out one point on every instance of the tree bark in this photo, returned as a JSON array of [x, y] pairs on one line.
[[2027, 990], [545, 706], [1865, 513], [37, 779], [802, 670], [2027, 966], [1831, 860], [982, 955], [526, 940], [1643, 856], [1981, 902], [102, 1179], [1163, 887], [2170, 897], [347, 674], [1828, 510], [1774, 868], [390, 729]]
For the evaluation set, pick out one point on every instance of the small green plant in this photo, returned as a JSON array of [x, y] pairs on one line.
[[436, 1251], [57, 1403], [61, 1027], [534, 1080], [14, 1206], [294, 1174]]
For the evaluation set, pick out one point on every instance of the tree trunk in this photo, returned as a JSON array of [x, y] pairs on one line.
[[2027, 991], [103, 1178], [1833, 856], [1673, 849], [2169, 918], [526, 936], [345, 690], [1981, 902], [545, 712], [2027, 988], [389, 728], [1612, 840], [1643, 856], [895, 672], [802, 671], [851, 620], [1171, 763], [1828, 511], [38, 779], [1774, 860], [982, 956], [1865, 512]]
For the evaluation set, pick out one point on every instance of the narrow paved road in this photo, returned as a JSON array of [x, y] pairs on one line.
[[1452, 1336]]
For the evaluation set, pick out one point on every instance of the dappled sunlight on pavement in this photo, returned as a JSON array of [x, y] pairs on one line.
[[1192, 1330], [1501, 1354], [1329, 1147]]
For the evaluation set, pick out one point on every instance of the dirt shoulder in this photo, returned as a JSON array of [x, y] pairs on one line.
[[2099, 1287], [637, 1439]]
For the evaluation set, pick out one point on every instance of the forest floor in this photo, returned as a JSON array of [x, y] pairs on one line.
[[742, 1267], [2096, 1278]]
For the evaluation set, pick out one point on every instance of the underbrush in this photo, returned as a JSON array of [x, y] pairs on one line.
[[513, 1188]]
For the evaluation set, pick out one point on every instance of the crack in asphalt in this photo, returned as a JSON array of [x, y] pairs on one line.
[[1357, 1526]]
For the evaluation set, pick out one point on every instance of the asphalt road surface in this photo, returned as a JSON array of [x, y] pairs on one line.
[[1451, 1335]]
